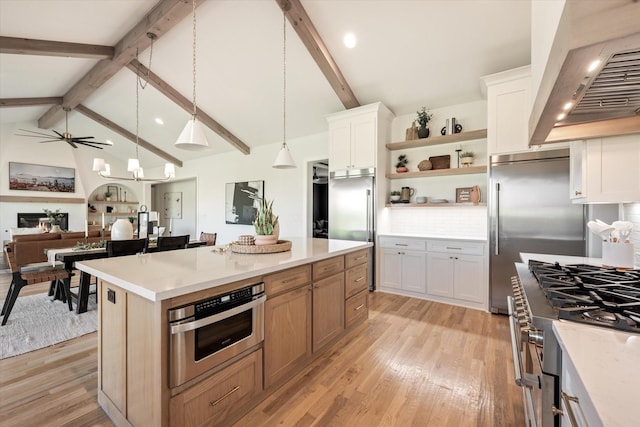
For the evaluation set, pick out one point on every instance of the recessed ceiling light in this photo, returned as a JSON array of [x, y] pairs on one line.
[[567, 106], [159, 121], [593, 65], [350, 40], [561, 116], [108, 141]]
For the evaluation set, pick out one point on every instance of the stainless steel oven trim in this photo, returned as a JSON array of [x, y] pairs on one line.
[[195, 324], [523, 379]]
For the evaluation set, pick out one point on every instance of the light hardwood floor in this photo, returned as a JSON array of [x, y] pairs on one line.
[[414, 363]]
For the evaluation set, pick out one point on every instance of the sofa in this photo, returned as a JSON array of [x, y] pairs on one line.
[[29, 248]]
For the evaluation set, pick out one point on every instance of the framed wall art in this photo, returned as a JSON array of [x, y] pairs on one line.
[[30, 177], [173, 205], [241, 201]]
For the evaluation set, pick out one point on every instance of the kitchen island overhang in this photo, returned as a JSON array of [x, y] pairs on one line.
[[163, 275], [312, 296]]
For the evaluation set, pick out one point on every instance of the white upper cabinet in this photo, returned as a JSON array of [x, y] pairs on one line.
[[355, 135], [605, 170], [508, 108]]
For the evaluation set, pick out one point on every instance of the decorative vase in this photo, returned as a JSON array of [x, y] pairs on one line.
[[55, 228], [402, 169], [260, 239], [423, 131], [395, 197], [466, 161], [475, 195], [122, 229]]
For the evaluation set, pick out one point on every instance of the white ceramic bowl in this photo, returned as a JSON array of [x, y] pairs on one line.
[[421, 199]]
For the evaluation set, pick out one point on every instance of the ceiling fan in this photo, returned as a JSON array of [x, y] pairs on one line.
[[66, 136]]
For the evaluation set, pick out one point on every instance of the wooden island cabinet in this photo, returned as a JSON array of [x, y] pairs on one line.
[[311, 297]]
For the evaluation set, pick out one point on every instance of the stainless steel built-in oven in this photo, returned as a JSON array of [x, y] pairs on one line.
[[209, 332]]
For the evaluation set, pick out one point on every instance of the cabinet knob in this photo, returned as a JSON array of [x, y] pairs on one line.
[[578, 193]]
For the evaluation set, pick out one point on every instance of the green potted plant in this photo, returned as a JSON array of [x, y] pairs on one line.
[[395, 195], [107, 196], [54, 218], [466, 158], [423, 118], [266, 224], [401, 165]]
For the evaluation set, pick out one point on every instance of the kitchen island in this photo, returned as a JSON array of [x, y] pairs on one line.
[[315, 294]]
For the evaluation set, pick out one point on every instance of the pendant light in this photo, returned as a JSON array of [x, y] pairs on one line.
[[284, 159], [192, 136], [133, 165]]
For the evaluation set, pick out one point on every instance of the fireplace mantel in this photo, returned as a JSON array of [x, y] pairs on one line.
[[32, 199]]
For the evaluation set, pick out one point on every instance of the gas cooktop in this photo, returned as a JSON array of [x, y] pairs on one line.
[[590, 294]]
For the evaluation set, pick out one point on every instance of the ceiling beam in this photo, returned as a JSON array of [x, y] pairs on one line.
[[164, 16], [21, 46], [310, 37], [130, 136], [187, 105], [29, 102]]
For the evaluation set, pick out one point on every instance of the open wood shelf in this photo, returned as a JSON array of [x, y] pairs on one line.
[[438, 140], [104, 202], [433, 205], [438, 172]]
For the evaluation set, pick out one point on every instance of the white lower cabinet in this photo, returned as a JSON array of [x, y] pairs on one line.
[[451, 271], [577, 409], [403, 270]]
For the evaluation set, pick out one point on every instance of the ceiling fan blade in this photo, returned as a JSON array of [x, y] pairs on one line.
[[59, 134], [82, 137], [71, 143], [49, 140], [91, 142], [34, 133], [88, 144]]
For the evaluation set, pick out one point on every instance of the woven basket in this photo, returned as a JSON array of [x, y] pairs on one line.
[[425, 165], [281, 246]]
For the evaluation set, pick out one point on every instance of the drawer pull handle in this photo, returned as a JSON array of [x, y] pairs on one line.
[[451, 247], [361, 257], [578, 193], [401, 244], [358, 307], [227, 394], [359, 279]]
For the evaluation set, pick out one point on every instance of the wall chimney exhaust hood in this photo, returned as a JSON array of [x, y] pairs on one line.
[[591, 83]]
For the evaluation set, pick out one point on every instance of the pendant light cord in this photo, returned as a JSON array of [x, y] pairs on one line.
[[284, 78], [140, 84], [194, 60]]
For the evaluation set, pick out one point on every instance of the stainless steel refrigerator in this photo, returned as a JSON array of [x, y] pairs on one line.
[[352, 208], [530, 211]]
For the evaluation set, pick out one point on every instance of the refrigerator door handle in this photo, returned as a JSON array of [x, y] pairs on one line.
[[497, 228], [369, 217]]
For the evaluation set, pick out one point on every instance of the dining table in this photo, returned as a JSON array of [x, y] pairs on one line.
[[69, 256]]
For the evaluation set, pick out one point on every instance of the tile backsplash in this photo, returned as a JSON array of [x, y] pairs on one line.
[[631, 212], [461, 222]]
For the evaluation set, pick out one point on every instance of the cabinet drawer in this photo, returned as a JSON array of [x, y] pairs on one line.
[[400, 243], [288, 279], [356, 280], [356, 309], [216, 398], [355, 258], [457, 247], [328, 267]]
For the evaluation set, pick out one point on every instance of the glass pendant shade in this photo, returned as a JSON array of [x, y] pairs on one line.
[[169, 170], [284, 159], [133, 165], [192, 137]]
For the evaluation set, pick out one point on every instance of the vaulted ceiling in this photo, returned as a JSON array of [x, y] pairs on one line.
[[410, 53]]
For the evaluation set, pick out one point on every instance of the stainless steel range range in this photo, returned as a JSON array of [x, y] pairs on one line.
[[543, 292]]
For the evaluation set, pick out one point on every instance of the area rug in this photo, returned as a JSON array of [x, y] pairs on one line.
[[37, 322]]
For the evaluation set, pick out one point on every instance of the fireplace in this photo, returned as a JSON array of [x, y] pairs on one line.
[[31, 220]]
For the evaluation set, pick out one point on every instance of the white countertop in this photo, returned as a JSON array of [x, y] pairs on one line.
[[608, 363], [431, 236], [162, 275]]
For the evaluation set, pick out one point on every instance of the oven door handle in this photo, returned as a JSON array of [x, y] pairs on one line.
[[523, 379], [190, 326]]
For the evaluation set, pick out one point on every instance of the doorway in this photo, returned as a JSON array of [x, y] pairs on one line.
[[176, 205], [320, 208]]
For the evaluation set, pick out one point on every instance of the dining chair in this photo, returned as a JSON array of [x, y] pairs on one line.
[[23, 275], [171, 243], [209, 238], [126, 247]]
